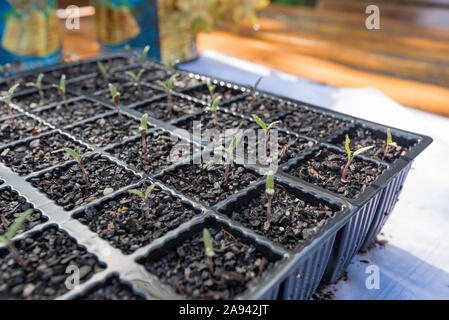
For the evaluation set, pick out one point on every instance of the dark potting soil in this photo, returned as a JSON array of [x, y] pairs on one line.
[[363, 137], [84, 69], [264, 107], [202, 93], [205, 182], [39, 153], [293, 219], [112, 289], [289, 146], [160, 145], [79, 110], [47, 256], [325, 168], [4, 113], [159, 109], [5, 86], [12, 205], [236, 265], [121, 221], [67, 187], [311, 124], [25, 127], [97, 83], [106, 130], [181, 82], [151, 72], [204, 123], [129, 93], [31, 101]]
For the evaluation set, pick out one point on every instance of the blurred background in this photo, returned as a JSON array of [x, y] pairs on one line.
[[326, 41]]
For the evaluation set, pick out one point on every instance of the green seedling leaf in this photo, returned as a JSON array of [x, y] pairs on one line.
[[61, 88], [73, 154], [235, 141], [362, 150], [170, 81], [257, 83], [37, 84], [143, 128], [163, 85], [348, 149], [214, 106], [10, 93], [390, 139], [208, 247], [4, 68], [211, 87], [260, 122], [144, 53], [138, 193], [148, 191], [269, 186], [273, 124], [102, 68], [16, 225]]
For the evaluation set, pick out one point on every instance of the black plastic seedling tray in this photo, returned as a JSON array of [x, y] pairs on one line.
[[123, 265]]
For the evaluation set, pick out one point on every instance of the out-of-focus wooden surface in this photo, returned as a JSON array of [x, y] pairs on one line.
[[407, 59]]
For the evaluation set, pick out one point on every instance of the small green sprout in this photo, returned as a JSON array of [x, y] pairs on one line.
[[208, 249], [253, 92], [214, 109], [269, 192], [235, 141], [80, 160], [116, 99], [168, 89], [127, 48], [265, 128], [144, 54], [6, 238], [103, 71], [211, 87], [62, 90], [7, 100], [4, 70], [351, 156], [145, 198], [38, 86], [136, 78], [389, 142], [143, 129]]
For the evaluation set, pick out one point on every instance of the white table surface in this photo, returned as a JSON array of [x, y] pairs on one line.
[[414, 264]]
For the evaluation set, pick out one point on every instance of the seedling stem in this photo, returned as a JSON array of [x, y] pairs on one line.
[[145, 198], [351, 156], [80, 160], [116, 99]]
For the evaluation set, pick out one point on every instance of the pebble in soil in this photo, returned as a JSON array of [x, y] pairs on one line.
[[39, 153], [25, 127], [129, 93], [78, 110], [264, 107], [67, 187], [204, 123], [205, 182], [202, 93], [237, 264], [312, 124], [106, 130], [159, 109], [121, 221], [47, 256], [324, 169], [289, 146], [161, 147], [32, 100], [293, 218], [12, 205], [362, 137], [112, 289]]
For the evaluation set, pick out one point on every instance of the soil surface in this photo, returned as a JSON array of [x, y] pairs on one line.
[[78, 111], [112, 289], [25, 127], [311, 124], [160, 144], [129, 93], [264, 107], [39, 153], [236, 265], [181, 82], [202, 93], [47, 256], [150, 73], [12, 206], [121, 221], [106, 130], [66, 186], [97, 83], [362, 137], [205, 182], [4, 113], [32, 101], [289, 146], [4, 86], [293, 219], [325, 168], [159, 108], [204, 123]]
